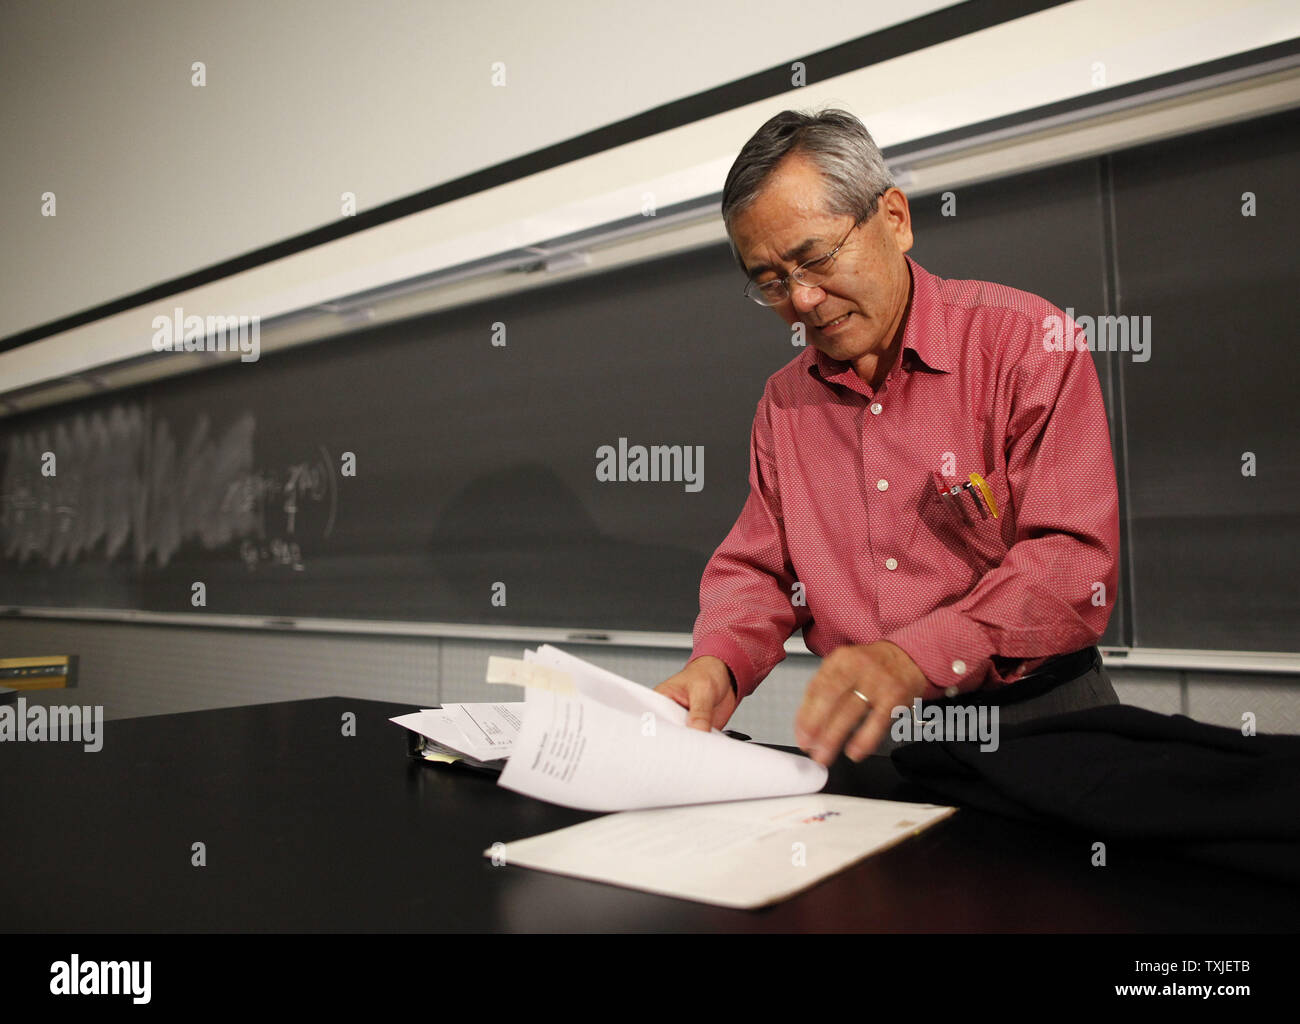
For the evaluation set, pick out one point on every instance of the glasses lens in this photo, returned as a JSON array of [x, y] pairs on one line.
[[768, 294], [815, 272]]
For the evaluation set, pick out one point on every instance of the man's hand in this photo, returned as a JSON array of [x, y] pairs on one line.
[[882, 672], [703, 687]]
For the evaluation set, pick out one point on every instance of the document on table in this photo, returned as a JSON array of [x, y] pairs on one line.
[[612, 745], [744, 854], [479, 733]]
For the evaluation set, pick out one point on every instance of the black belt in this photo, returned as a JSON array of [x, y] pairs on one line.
[[1044, 679]]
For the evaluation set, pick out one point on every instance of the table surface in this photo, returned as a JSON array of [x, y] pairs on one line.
[[309, 830]]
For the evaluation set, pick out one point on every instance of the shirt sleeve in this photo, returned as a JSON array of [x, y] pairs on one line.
[[749, 602], [1053, 591]]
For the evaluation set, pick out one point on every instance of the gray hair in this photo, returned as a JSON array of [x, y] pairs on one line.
[[834, 140]]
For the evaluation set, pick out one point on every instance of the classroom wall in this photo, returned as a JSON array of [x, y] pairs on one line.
[[157, 178], [939, 73], [136, 670], [306, 99]]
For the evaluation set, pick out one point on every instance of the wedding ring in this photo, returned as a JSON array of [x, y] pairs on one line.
[[865, 698]]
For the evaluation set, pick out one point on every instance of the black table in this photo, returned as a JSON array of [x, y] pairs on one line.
[[309, 830]]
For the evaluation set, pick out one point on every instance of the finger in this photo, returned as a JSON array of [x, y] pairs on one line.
[[700, 706], [845, 717], [819, 700], [869, 734], [674, 690]]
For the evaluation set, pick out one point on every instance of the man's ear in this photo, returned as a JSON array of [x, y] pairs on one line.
[[898, 217]]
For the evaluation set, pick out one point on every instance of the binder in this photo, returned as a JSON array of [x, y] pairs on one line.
[[424, 750]]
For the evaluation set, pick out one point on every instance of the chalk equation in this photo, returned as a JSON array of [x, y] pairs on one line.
[[122, 478], [290, 499]]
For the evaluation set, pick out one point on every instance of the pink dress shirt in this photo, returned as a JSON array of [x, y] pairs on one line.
[[849, 533]]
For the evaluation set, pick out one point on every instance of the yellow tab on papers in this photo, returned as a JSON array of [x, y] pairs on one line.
[[527, 673]]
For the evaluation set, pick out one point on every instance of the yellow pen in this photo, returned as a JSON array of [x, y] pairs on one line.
[[979, 482], [982, 487]]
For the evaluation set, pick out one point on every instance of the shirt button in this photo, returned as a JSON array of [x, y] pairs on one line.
[[891, 563], [959, 667], [882, 485], [876, 408], [952, 691]]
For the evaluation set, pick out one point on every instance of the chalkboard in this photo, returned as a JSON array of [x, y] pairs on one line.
[[1212, 419], [475, 463]]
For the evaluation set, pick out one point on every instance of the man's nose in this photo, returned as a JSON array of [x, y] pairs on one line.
[[805, 297]]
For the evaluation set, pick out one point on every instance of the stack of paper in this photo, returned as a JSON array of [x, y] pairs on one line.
[[587, 738], [482, 735], [596, 741]]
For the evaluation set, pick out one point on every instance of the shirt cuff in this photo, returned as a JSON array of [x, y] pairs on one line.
[[953, 652]]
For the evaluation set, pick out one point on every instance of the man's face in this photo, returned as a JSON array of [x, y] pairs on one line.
[[870, 284]]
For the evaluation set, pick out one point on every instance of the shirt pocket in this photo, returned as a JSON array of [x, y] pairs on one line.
[[965, 524]]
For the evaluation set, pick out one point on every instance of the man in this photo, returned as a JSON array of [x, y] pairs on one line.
[[932, 493]]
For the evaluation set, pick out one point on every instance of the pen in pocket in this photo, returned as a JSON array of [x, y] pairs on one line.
[[979, 489]]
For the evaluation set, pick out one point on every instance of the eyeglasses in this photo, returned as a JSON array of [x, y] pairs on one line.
[[810, 273]]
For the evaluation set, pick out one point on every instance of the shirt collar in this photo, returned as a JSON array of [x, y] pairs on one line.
[[920, 336]]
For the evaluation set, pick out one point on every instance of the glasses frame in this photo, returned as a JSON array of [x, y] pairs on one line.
[[754, 292]]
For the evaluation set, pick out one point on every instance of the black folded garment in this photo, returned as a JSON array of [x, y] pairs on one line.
[[1119, 772]]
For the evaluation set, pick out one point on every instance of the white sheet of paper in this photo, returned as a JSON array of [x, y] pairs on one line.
[[743, 854], [494, 726], [490, 728], [432, 723], [580, 753]]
